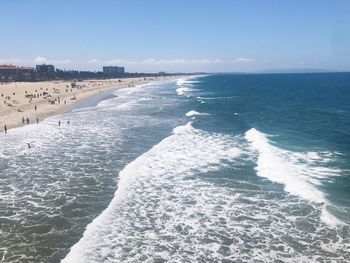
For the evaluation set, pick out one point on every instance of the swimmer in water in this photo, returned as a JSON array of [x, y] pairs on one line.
[[29, 145]]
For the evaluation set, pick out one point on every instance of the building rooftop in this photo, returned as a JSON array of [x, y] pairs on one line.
[[9, 66]]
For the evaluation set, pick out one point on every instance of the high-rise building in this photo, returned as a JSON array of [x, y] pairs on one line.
[[113, 70], [45, 69]]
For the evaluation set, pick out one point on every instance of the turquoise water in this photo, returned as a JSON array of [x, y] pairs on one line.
[[220, 168]]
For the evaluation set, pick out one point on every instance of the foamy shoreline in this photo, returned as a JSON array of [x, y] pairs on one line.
[[39, 100]]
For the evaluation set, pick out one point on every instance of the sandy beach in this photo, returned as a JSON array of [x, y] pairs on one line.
[[39, 100]]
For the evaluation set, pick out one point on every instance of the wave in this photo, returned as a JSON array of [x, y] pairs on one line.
[[218, 98], [194, 113], [183, 90], [185, 85], [187, 80], [300, 173], [167, 208], [160, 171]]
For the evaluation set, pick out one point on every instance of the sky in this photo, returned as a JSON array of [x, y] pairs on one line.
[[177, 35]]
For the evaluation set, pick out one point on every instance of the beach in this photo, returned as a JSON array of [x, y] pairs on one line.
[[39, 100]]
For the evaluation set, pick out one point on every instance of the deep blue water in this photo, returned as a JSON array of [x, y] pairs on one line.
[[219, 168], [303, 113], [312, 110]]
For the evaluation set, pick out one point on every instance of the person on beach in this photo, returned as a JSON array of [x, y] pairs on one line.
[[5, 129], [35, 108], [27, 120], [37, 120], [23, 120]]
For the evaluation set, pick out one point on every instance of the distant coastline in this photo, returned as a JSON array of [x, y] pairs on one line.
[[44, 72]]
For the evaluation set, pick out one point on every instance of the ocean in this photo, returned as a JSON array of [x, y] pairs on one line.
[[212, 168]]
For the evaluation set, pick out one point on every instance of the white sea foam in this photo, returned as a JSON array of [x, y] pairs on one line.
[[187, 80], [164, 210], [194, 113], [296, 171], [183, 90], [218, 97], [185, 85], [175, 158]]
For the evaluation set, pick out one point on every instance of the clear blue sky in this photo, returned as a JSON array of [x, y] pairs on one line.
[[177, 35]]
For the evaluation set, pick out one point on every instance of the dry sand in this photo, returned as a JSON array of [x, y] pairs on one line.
[[29, 99]]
